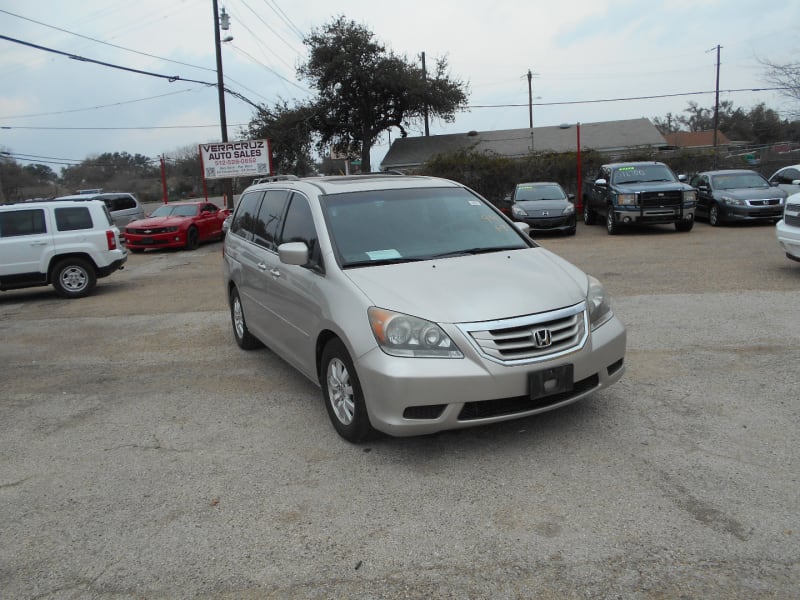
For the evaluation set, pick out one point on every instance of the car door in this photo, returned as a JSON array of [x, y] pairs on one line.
[[785, 179], [705, 195], [257, 257], [25, 239], [208, 222], [294, 295]]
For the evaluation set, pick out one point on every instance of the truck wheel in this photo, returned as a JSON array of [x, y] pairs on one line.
[[74, 278], [588, 215], [684, 225], [611, 225]]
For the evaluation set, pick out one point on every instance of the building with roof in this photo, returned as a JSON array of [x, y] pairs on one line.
[[696, 139], [608, 137]]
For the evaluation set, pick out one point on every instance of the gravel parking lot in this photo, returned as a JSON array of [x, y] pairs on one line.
[[144, 456]]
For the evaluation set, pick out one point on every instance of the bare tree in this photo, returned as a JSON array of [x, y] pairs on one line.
[[785, 76]]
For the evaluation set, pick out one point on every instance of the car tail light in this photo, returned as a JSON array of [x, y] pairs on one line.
[[111, 239]]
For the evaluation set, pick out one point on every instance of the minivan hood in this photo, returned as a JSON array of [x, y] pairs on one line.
[[471, 288]]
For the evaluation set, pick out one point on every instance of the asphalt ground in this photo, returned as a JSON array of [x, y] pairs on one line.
[[144, 456]]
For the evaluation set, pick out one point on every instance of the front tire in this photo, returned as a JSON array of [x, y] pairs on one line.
[[684, 226], [714, 217], [244, 339], [588, 215], [74, 278], [344, 399], [192, 238], [611, 225]]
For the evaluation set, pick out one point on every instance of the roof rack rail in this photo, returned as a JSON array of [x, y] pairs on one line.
[[275, 178]]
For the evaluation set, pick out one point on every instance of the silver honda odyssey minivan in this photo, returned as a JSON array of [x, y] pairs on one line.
[[414, 304]]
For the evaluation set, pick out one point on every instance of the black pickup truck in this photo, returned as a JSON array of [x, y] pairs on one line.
[[638, 193]]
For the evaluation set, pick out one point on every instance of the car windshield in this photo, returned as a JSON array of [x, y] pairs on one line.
[[411, 224], [732, 181], [527, 192], [176, 210], [642, 174]]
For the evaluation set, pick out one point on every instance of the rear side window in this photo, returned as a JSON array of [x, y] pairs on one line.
[[244, 222], [270, 218], [22, 222], [120, 203], [73, 218]]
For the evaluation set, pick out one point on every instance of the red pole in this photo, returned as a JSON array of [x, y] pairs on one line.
[[580, 178], [163, 179]]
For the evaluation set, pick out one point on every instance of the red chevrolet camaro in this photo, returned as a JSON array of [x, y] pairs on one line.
[[177, 225]]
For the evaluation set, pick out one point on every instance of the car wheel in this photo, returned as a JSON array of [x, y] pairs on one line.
[[588, 215], [713, 216], [244, 339], [344, 399], [192, 238], [611, 225], [74, 278]]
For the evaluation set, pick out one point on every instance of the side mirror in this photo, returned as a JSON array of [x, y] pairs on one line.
[[795, 181], [681, 177], [570, 197], [523, 227], [600, 182], [293, 253]]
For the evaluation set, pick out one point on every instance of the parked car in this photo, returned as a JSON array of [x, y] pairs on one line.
[[544, 206], [66, 244], [787, 178], [788, 228], [177, 225], [414, 304], [124, 207], [737, 195]]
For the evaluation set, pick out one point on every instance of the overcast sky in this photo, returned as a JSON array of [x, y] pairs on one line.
[[57, 110]]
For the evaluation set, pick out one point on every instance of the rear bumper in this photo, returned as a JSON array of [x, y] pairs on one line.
[[114, 266]]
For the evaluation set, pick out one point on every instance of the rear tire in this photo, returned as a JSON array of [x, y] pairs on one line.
[[74, 278], [344, 399]]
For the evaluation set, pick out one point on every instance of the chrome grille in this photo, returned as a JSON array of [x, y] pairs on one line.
[[531, 338], [793, 220], [766, 202], [660, 199]]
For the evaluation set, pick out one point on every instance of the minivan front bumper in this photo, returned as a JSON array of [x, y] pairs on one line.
[[414, 396]]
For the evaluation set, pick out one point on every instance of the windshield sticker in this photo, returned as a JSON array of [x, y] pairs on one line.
[[383, 254], [475, 202]]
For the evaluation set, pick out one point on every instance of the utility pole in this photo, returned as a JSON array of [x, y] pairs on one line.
[[425, 81], [716, 113], [227, 184], [530, 104]]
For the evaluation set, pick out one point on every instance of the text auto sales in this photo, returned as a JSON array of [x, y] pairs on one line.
[[236, 150]]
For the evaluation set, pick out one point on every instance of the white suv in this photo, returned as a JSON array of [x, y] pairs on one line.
[[69, 244], [415, 304], [788, 229]]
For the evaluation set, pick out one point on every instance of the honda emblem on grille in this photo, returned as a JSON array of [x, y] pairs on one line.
[[542, 338], [545, 213]]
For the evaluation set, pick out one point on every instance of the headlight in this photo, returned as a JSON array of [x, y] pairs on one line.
[[626, 199], [598, 302], [730, 200], [690, 196], [516, 211], [403, 335], [569, 210]]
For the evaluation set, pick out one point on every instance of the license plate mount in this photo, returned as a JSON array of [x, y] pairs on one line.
[[549, 382]]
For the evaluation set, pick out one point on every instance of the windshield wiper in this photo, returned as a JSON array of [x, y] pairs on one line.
[[477, 250], [383, 261]]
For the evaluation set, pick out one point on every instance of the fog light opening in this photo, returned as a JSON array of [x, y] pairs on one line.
[[626, 220]]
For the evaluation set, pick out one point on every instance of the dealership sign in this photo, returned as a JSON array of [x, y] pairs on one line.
[[236, 159]]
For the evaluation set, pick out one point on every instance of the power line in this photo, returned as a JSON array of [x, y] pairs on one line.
[[139, 128], [770, 89], [285, 18], [86, 37]]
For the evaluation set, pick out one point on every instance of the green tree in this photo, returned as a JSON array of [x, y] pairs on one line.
[[786, 76], [364, 89], [291, 135]]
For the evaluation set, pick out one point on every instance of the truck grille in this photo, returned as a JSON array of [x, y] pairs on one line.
[[661, 199], [530, 338], [792, 220]]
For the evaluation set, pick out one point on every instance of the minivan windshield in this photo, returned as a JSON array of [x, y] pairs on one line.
[[411, 224]]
